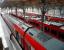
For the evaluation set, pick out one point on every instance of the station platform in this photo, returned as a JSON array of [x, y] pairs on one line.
[[5, 36]]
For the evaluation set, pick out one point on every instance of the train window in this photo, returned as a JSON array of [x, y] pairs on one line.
[[34, 23], [17, 37], [46, 29], [23, 28], [54, 32], [30, 33], [61, 35]]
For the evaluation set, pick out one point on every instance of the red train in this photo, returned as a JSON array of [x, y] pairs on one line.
[[31, 38], [50, 29]]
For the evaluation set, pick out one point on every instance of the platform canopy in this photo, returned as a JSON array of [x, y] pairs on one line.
[[27, 3]]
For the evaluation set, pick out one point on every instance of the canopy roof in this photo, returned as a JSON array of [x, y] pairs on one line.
[[27, 3]]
